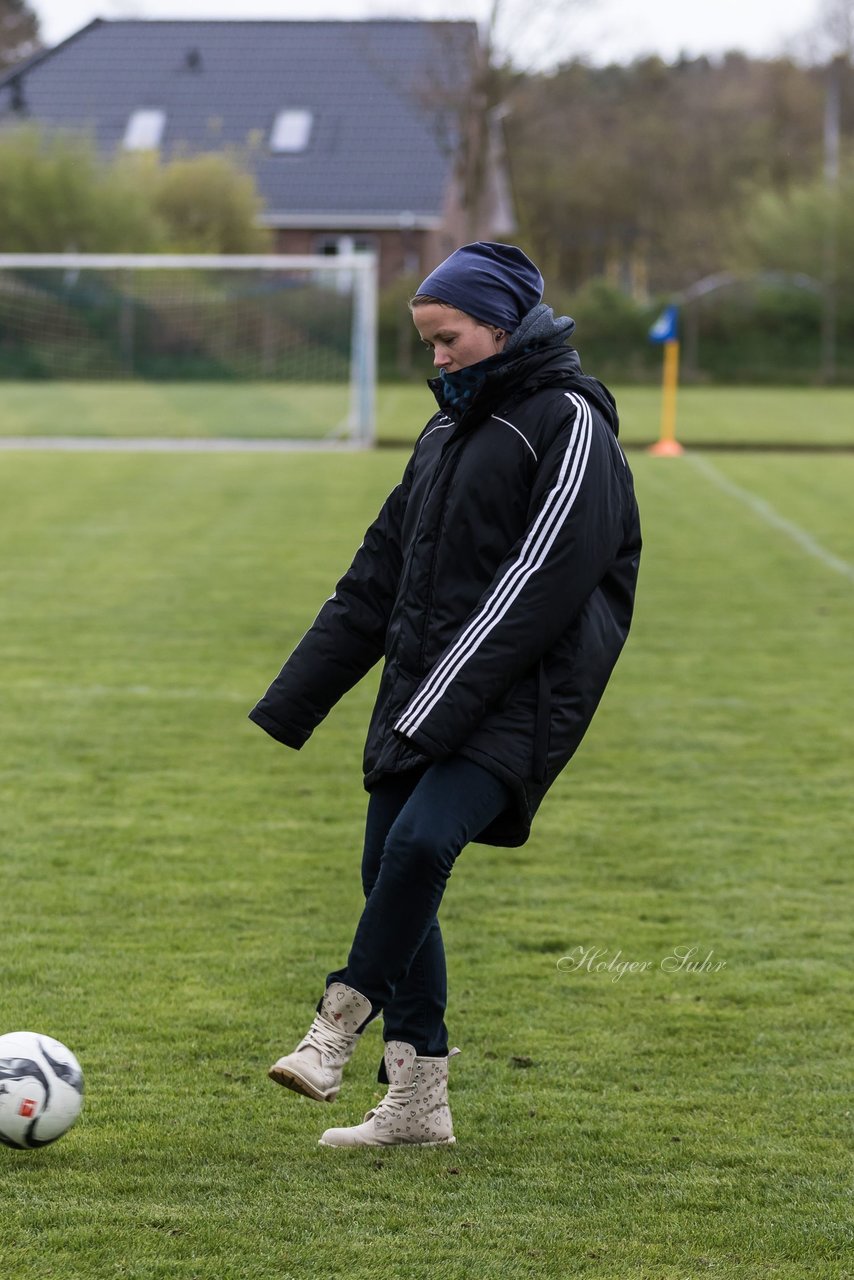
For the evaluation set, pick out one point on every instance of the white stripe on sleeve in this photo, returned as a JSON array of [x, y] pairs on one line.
[[539, 541]]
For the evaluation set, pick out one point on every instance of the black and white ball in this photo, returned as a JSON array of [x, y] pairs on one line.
[[41, 1089]]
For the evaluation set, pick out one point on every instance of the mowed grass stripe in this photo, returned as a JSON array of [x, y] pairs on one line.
[[813, 496], [166, 409], [765, 511], [790, 416], [175, 887]]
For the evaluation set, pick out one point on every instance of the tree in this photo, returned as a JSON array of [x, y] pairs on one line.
[[788, 233], [19, 33], [631, 173], [837, 28], [834, 30], [477, 132], [470, 100]]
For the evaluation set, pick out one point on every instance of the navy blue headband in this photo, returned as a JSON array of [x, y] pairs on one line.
[[495, 283]]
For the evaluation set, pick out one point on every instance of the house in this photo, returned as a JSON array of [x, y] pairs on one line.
[[353, 130]]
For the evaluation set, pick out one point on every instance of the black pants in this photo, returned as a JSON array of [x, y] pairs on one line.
[[417, 824]]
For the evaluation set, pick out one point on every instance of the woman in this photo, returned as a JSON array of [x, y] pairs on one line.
[[497, 582]]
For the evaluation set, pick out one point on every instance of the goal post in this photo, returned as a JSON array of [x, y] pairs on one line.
[[307, 322]]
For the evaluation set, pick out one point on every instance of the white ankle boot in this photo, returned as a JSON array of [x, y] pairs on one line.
[[315, 1066], [415, 1109]]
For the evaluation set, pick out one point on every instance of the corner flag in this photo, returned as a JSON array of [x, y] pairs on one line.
[[666, 332], [666, 327]]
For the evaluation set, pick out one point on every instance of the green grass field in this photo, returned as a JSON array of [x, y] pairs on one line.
[[175, 886], [798, 416]]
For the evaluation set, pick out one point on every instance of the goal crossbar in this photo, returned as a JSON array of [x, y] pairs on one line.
[[358, 262]]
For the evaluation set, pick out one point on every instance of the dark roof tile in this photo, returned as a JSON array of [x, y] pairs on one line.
[[383, 95]]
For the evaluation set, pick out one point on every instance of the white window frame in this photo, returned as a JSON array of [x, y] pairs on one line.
[[144, 130], [291, 131]]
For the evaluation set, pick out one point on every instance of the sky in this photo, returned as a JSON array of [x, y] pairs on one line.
[[601, 30]]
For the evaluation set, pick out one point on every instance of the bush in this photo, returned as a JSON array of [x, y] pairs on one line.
[[58, 195], [611, 332], [763, 332], [209, 206], [401, 355]]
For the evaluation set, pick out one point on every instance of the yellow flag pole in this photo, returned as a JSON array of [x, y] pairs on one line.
[[667, 446]]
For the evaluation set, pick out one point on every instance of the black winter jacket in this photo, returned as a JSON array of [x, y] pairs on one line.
[[497, 582]]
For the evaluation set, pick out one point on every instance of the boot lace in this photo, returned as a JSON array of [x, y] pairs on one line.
[[327, 1039], [396, 1100]]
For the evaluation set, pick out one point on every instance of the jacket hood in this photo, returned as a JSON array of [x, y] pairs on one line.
[[535, 356], [540, 326]]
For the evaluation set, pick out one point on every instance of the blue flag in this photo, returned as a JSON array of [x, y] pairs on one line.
[[666, 327]]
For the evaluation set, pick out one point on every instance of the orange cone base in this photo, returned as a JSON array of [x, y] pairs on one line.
[[666, 449]]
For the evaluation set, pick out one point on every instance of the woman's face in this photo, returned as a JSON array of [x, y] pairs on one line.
[[456, 339]]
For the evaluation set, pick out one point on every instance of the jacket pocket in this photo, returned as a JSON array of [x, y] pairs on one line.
[[397, 687]]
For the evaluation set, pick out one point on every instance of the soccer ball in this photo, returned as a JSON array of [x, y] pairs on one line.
[[41, 1089]]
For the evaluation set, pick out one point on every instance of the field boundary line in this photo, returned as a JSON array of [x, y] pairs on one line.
[[771, 516], [163, 444]]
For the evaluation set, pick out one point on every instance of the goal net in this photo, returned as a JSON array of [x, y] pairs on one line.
[[294, 334]]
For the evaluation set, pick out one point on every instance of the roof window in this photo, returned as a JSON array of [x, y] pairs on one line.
[[144, 130], [291, 130]]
